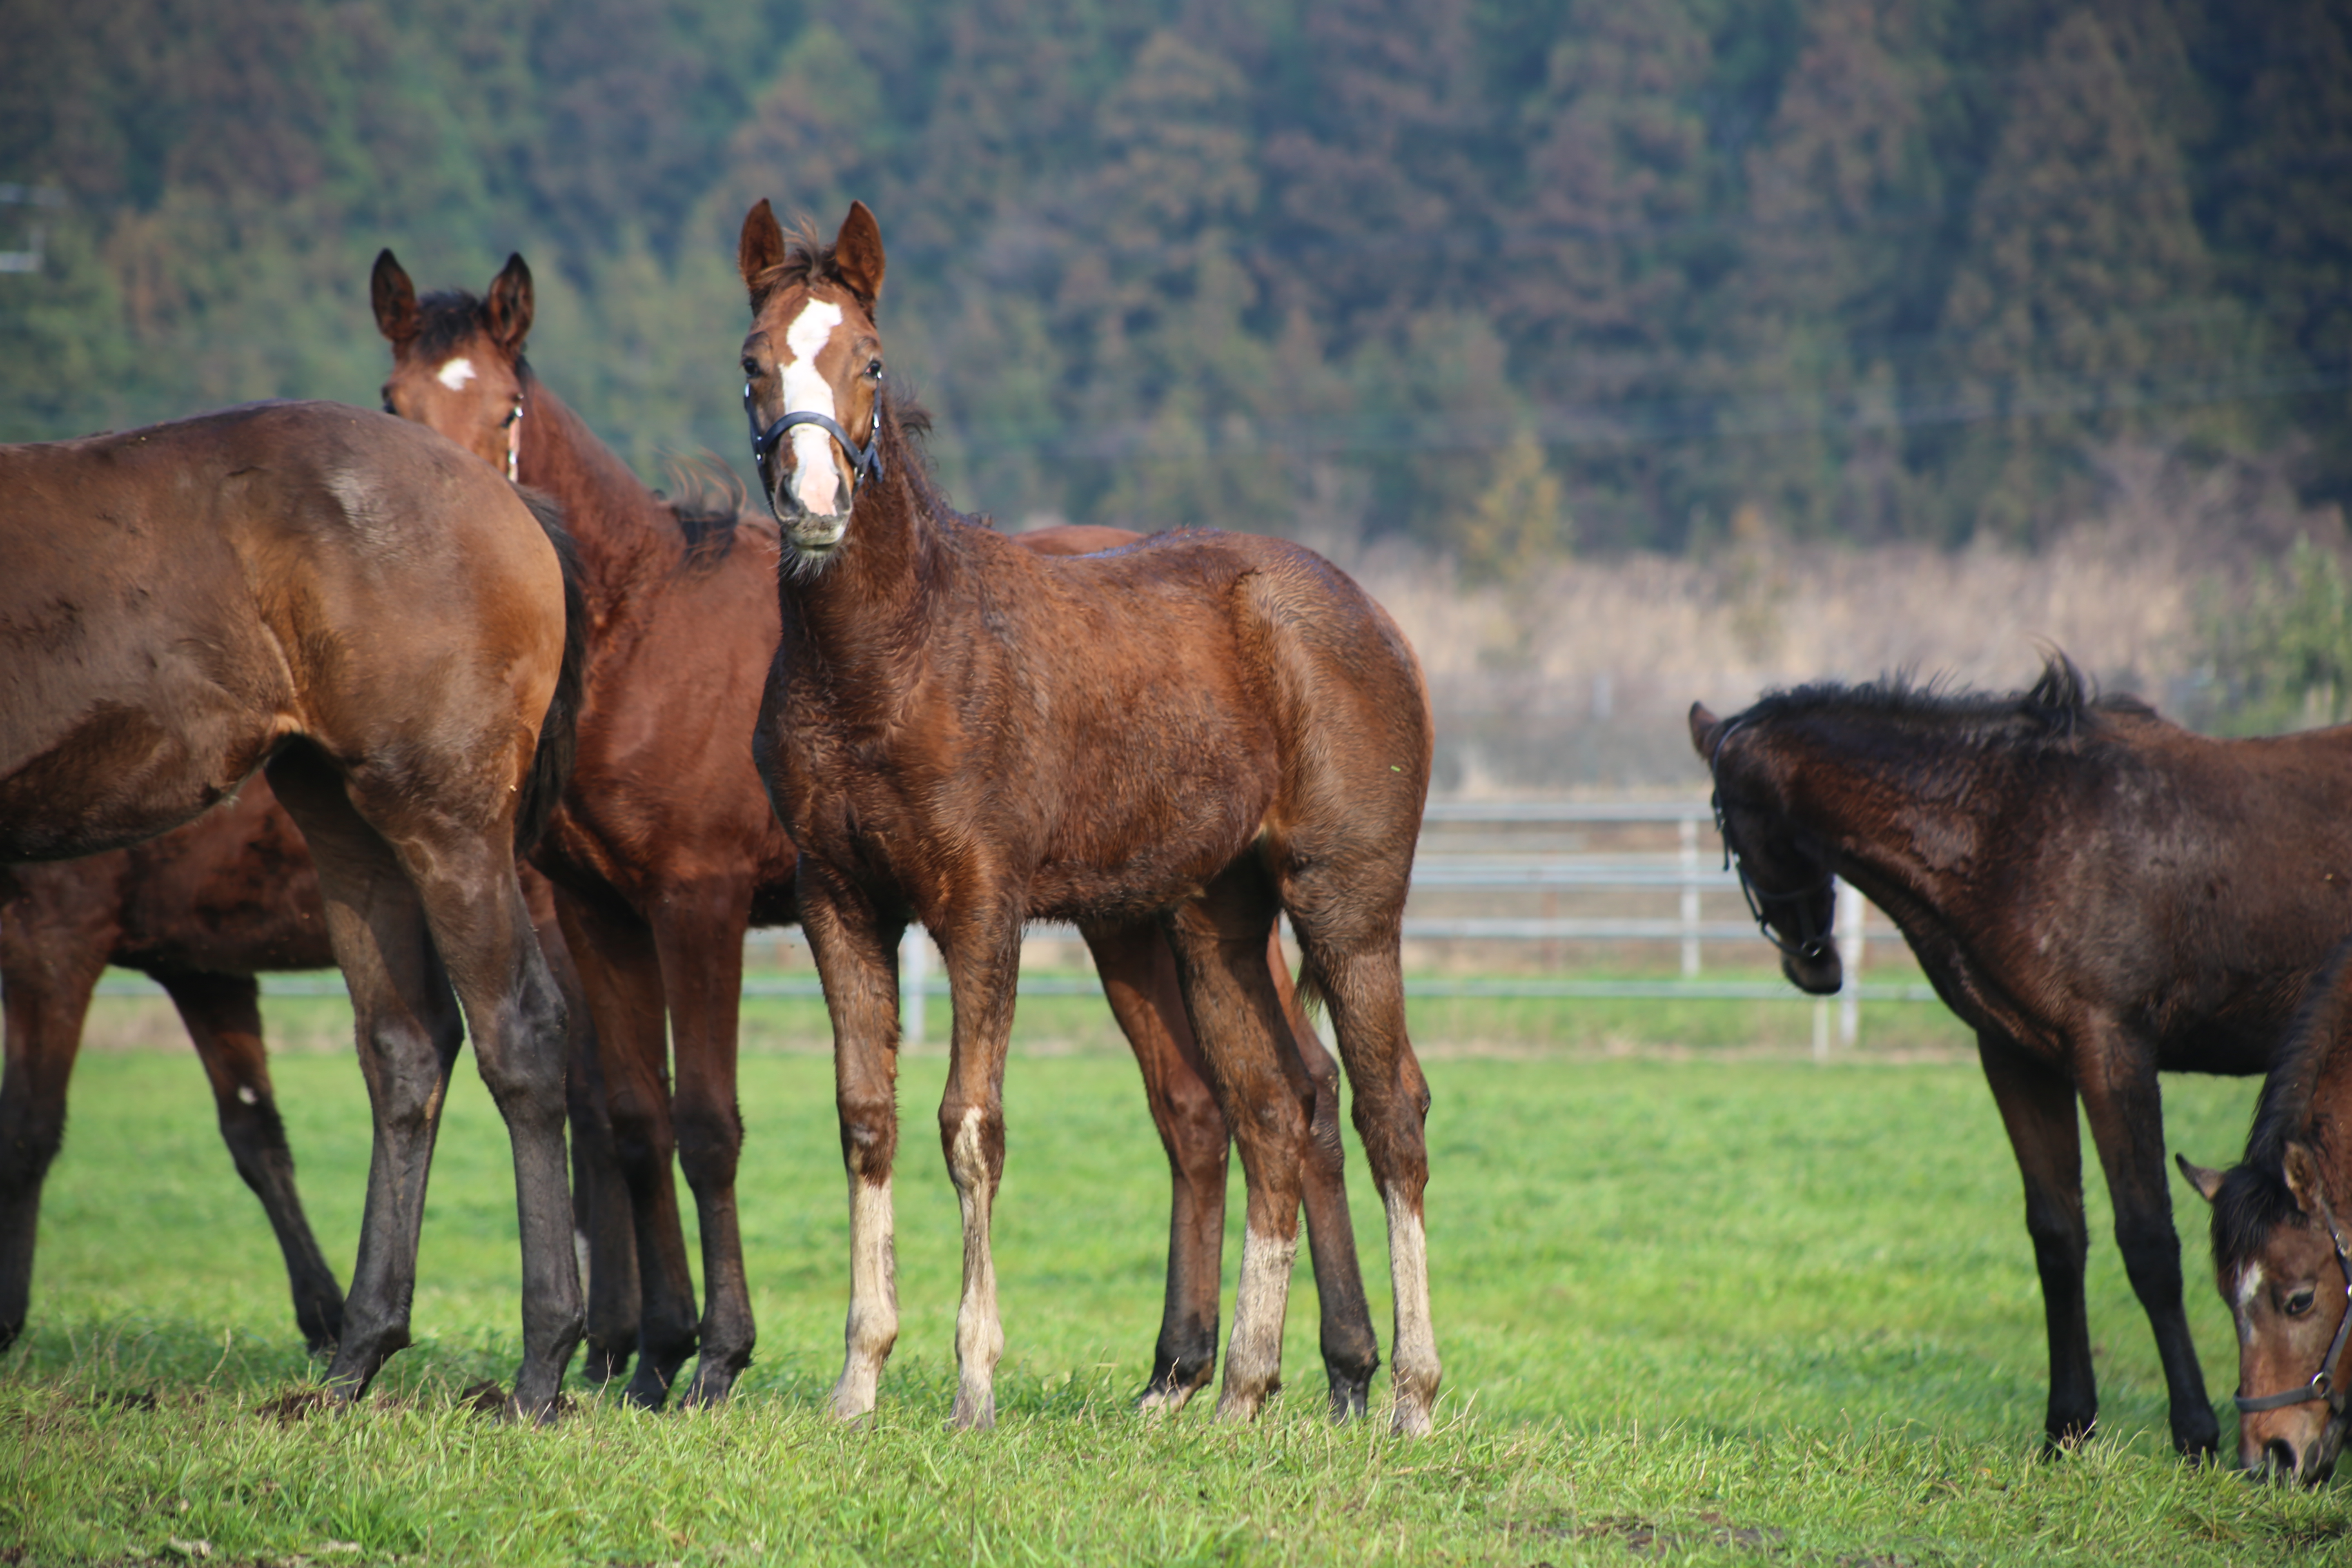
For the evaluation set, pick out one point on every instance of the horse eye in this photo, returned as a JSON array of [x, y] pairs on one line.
[[874, 369], [2298, 1304], [750, 371]]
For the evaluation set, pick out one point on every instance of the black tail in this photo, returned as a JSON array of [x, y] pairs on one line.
[[551, 765]]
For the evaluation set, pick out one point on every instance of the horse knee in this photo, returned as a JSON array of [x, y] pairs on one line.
[[869, 1135], [28, 1145], [709, 1143], [524, 1068], [972, 1137]]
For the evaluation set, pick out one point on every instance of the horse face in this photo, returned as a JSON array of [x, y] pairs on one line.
[[1788, 878], [467, 384], [813, 350], [2287, 1301]]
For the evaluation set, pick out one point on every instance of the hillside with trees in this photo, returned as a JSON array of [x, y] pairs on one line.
[[1505, 280]]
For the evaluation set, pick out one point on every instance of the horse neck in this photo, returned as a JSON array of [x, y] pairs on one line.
[[616, 524], [862, 615], [1845, 802]]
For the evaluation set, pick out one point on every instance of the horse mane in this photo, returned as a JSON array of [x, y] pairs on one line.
[[707, 501], [2061, 705], [2253, 1199]]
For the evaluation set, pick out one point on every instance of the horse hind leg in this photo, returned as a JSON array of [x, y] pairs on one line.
[[224, 1019], [1220, 945], [1350, 1352], [1363, 985], [408, 1031], [601, 1214], [1139, 980]]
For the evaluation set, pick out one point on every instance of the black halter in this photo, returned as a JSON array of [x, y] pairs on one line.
[[2322, 1386], [865, 462], [1813, 944]]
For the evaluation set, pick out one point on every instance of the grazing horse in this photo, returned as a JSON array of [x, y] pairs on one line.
[[200, 910], [1193, 734], [2098, 893], [356, 607], [665, 850], [2280, 1244]]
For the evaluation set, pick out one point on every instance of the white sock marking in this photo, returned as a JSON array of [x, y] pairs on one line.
[[815, 481], [1254, 1355], [456, 373], [1414, 1366]]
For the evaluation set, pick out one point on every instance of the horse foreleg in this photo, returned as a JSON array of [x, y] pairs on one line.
[[622, 977], [601, 1220], [983, 950], [1350, 1353], [2037, 1107], [224, 1018], [2116, 1076], [48, 972], [408, 1031], [1220, 944], [699, 936], [856, 954], [1138, 979]]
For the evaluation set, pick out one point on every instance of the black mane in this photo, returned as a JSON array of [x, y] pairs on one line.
[[2253, 1199], [2059, 706]]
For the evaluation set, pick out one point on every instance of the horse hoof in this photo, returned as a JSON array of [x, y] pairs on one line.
[[975, 1413], [603, 1363], [1350, 1395], [647, 1390], [1157, 1400]]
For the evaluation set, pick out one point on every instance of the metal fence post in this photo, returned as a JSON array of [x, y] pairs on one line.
[[913, 967]]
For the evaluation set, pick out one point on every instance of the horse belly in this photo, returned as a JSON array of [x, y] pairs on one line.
[[234, 892]]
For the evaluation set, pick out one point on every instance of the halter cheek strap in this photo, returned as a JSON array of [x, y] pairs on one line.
[[2322, 1386]]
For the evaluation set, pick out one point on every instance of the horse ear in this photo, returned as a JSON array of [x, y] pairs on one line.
[[395, 298], [1702, 731], [2206, 1183], [760, 250], [857, 255], [2302, 1172], [509, 307]]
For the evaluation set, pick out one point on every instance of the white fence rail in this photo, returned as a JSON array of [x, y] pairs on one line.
[[1693, 870]]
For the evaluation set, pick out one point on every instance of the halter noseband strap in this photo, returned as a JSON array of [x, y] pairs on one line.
[[865, 462], [1812, 945], [2322, 1386]]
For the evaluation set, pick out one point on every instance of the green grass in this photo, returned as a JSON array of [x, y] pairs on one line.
[[1722, 1308]]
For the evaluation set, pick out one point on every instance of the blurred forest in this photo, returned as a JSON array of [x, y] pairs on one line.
[[1494, 280]]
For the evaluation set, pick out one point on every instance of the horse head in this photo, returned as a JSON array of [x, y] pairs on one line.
[[2280, 1265], [456, 362], [812, 372], [1783, 871]]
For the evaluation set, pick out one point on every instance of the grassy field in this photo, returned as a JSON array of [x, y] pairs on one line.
[[1706, 1304]]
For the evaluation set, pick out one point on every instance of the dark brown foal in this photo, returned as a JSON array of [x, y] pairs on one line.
[[360, 607], [1194, 735], [666, 850], [2099, 894]]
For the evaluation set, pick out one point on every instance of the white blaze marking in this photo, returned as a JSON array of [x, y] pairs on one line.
[[815, 481], [456, 374], [2250, 1285]]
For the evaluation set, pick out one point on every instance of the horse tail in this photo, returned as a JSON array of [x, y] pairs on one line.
[[550, 764]]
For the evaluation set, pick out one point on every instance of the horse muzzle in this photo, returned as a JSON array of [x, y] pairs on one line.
[[1816, 973]]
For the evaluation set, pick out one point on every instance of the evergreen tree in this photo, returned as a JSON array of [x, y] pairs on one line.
[[2085, 302]]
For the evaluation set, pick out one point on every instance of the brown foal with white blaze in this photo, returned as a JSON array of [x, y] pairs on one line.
[[1197, 732]]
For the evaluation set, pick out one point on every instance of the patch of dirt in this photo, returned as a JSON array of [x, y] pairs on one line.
[[295, 1404]]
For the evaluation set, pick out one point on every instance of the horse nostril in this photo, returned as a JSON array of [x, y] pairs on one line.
[[2278, 1458]]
